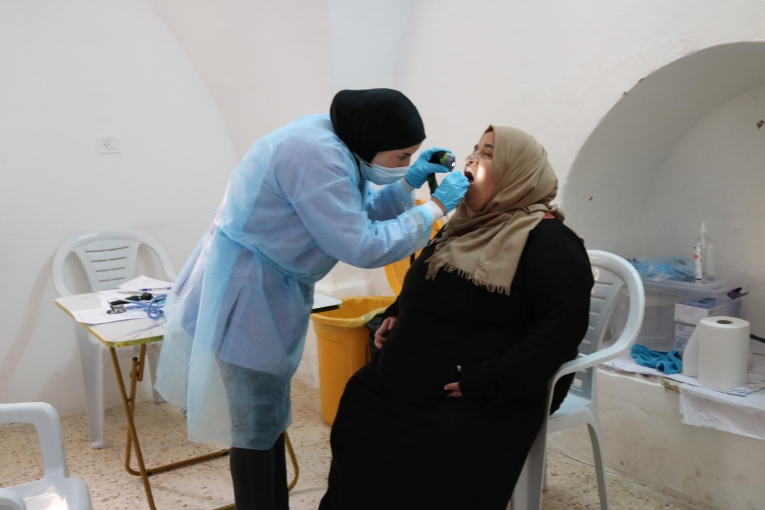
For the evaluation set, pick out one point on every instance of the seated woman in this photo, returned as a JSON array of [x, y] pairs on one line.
[[445, 415]]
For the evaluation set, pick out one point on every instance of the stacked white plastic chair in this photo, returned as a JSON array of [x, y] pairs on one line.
[[611, 274], [56, 490], [109, 259]]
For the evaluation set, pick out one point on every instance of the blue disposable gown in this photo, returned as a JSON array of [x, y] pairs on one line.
[[294, 207]]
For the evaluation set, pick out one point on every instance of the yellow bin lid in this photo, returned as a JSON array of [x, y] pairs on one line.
[[397, 270]]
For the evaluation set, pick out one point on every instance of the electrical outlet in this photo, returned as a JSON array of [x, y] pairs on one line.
[[107, 144]]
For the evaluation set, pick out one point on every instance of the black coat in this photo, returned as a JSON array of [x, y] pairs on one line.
[[399, 443]]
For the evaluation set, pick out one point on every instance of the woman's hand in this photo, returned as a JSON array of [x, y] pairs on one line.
[[454, 388], [419, 171], [451, 191], [381, 335]]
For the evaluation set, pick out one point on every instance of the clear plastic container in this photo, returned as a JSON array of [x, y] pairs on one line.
[[706, 256], [658, 330]]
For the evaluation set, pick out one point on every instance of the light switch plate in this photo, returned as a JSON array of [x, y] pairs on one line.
[[108, 144]]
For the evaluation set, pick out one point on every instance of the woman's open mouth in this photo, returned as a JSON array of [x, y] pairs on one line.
[[469, 176]]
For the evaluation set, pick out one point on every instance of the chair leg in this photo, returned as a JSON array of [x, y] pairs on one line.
[[91, 359], [527, 494], [600, 465], [544, 479], [153, 355]]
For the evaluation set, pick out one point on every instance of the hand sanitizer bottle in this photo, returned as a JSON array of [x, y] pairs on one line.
[[706, 254]]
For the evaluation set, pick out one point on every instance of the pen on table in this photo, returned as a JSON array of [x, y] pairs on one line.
[[147, 289]]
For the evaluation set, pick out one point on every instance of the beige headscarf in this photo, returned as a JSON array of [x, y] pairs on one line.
[[485, 247]]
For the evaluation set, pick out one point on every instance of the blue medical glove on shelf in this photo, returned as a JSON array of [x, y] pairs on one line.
[[668, 362], [451, 190], [419, 171]]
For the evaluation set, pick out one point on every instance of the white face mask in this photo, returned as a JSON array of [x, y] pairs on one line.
[[381, 174]]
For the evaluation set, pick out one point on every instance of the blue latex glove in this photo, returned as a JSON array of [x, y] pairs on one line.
[[451, 190], [418, 173], [667, 362]]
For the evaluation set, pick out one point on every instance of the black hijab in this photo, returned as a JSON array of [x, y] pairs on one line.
[[375, 120]]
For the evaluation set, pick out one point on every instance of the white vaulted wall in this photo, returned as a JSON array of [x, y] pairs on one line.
[[265, 63], [70, 72], [684, 146]]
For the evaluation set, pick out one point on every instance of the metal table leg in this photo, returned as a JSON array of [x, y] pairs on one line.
[[128, 404], [293, 459]]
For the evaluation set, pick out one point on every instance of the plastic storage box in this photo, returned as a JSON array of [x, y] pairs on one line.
[[659, 326]]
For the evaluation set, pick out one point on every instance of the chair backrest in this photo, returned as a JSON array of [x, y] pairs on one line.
[[611, 274], [108, 258], [45, 419], [11, 500]]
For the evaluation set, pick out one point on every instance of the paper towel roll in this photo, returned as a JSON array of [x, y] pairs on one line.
[[691, 355], [723, 347]]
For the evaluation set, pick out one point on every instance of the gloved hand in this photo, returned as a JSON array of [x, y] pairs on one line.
[[451, 190], [418, 173]]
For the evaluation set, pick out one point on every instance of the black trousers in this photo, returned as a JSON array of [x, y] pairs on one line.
[[260, 478]]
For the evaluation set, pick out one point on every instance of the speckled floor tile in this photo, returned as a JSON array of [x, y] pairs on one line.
[[572, 485], [225, 473], [157, 435], [308, 500], [117, 493], [162, 431], [153, 457], [307, 479], [75, 429], [80, 455], [102, 465], [152, 423], [316, 457], [306, 433], [8, 429], [174, 412], [220, 462], [18, 463], [202, 490]]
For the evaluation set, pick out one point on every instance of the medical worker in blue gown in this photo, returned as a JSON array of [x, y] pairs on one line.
[[302, 199]]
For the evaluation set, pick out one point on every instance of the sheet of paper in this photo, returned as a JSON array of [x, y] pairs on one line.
[[111, 294], [144, 282], [99, 316], [714, 410], [322, 301]]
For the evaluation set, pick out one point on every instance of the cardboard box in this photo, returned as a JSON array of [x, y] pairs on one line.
[[691, 311], [683, 333]]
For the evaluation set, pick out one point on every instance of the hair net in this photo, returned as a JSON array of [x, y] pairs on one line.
[[375, 120]]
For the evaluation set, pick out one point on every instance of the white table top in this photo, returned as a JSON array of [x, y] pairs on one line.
[[143, 331], [704, 407], [322, 303]]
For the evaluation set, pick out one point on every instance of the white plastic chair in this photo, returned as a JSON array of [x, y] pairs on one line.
[[56, 490], [611, 274], [109, 259]]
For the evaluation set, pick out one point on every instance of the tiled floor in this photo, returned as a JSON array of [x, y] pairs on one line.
[[162, 429]]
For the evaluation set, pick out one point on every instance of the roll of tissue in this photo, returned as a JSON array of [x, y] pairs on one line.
[[717, 353]]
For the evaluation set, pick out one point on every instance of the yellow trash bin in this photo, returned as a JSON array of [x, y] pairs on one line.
[[343, 346]]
